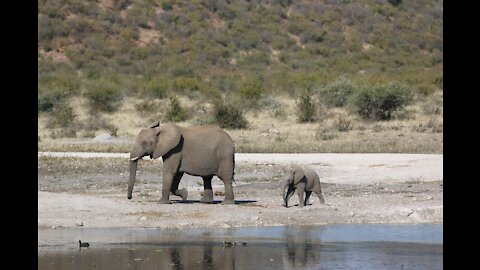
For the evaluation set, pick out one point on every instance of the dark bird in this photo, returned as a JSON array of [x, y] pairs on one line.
[[80, 244]]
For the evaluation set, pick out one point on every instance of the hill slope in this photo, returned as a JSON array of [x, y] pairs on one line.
[[111, 65], [215, 45]]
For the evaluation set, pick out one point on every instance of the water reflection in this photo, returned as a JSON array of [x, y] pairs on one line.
[[299, 251], [276, 248]]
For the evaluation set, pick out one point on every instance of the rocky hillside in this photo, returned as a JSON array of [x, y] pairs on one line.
[[163, 46], [350, 66]]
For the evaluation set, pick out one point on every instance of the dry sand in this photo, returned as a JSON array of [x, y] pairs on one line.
[[89, 190]]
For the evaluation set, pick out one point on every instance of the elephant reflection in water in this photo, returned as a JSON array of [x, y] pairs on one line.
[[201, 257], [299, 251]]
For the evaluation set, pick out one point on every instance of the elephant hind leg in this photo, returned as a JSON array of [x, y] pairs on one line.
[[307, 195], [320, 197], [207, 189], [225, 173], [319, 193]]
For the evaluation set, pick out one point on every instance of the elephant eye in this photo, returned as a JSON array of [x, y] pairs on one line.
[[144, 143]]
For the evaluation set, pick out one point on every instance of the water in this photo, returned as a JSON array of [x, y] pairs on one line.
[[357, 246]]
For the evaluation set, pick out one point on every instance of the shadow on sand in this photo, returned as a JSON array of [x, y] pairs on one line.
[[214, 202]]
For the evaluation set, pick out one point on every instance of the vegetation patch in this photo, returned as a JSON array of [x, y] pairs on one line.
[[379, 102], [229, 116]]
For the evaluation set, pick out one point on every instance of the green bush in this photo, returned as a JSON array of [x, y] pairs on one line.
[[306, 107], [49, 28], [252, 90], [63, 115], [229, 116], [57, 76], [337, 93], [47, 100], [185, 84], [175, 112], [167, 5], [103, 95], [379, 102], [157, 87]]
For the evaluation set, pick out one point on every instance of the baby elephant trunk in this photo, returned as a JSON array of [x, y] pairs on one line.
[[133, 173]]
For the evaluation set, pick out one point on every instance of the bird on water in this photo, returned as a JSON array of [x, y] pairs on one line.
[[85, 244]]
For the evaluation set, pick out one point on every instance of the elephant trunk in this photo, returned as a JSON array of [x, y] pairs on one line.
[[133, 172]]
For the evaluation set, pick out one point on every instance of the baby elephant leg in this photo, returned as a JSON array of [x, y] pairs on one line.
[[289, 194], [300, 191], [307, 195], [318, 191]]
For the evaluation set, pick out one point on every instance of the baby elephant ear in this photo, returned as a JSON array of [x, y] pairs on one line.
[[298, 175], [154, 124]]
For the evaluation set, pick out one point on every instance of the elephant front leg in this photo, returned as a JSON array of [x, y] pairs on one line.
[[289, 194], [207, 190], [183, 193], [300, 191], [166, 187]]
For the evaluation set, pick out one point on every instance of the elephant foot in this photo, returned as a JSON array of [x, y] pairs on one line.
[[322, 200], [164, 201], [229, 201], [207, 196], [183, 193]]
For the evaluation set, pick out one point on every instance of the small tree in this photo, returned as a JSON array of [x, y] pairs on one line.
[[337, 93], [379, 102], [252, 90], [175, 112], [103, 95], [306, 108], [229, 116]]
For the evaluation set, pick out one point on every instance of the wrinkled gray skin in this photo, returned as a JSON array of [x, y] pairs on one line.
[[304, 181], [201, 151]]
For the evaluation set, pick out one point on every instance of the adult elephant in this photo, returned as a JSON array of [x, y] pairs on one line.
[[201, 151]]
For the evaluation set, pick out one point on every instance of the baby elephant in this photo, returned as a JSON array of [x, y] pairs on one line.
[[304, 180]]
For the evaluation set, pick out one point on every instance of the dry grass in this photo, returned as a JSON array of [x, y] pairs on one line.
[[419, 129]]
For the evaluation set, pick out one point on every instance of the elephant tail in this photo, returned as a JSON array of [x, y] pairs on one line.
[[233, 171]]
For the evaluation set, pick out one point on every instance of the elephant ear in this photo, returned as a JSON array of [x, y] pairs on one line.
[[298, 175], [168, 137]]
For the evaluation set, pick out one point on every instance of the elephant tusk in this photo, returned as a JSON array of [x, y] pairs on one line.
[[133, 159]]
